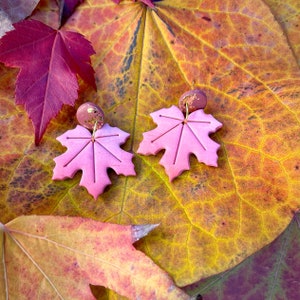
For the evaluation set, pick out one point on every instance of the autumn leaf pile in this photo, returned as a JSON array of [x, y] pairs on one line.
[[133, 58]]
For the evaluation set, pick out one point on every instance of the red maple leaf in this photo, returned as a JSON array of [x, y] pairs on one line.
[[147, 2], [180, 137], [93, 154], [49, 61]]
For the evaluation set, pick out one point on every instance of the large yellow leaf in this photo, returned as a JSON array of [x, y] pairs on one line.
[[211, 218]]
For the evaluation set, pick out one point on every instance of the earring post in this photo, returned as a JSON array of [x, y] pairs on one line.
[[186, 110], [94, 131]]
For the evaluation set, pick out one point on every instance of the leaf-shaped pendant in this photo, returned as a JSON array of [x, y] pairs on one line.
[[181, 135], [93, 153]]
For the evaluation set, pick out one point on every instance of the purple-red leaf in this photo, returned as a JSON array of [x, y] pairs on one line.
[[180, 137], [147, 2], [49, 61], [93, 155], [66, 8]]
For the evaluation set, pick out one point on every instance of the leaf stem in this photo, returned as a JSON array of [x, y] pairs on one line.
[[2, 231]]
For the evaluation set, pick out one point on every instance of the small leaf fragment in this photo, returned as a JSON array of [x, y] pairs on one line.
[[18, 10], [139, 231], [5, 23], [12, 11], [66, 9]]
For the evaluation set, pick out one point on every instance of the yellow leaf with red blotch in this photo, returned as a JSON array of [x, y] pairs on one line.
[[211, 218], [51, 257]]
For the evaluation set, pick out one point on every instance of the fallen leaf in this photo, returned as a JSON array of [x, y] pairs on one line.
[[46, 257], [18, 10], [271, 273], [211, 218], [66, 8], [5, 23], [93, 154], [47, 12], [147, 2], [102, 293], [12, 11], [181, 136], [49, 61]]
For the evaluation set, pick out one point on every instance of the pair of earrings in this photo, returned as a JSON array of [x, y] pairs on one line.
[[94, 146]]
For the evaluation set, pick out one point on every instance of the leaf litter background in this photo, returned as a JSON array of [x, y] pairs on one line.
[[211, 218]]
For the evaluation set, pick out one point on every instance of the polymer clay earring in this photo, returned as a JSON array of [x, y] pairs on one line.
[[93, 147], [182, 131]]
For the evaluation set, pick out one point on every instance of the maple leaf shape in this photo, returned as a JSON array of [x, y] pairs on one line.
[[147, 2], [53, 257], [49, 61], [180, 137], [93, 155]]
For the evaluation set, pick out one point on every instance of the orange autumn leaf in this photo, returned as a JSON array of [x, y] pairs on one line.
[[50, 257], [211, 218]]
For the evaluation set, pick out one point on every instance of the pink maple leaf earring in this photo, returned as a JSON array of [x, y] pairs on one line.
[[93, 148], [182, 131]]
